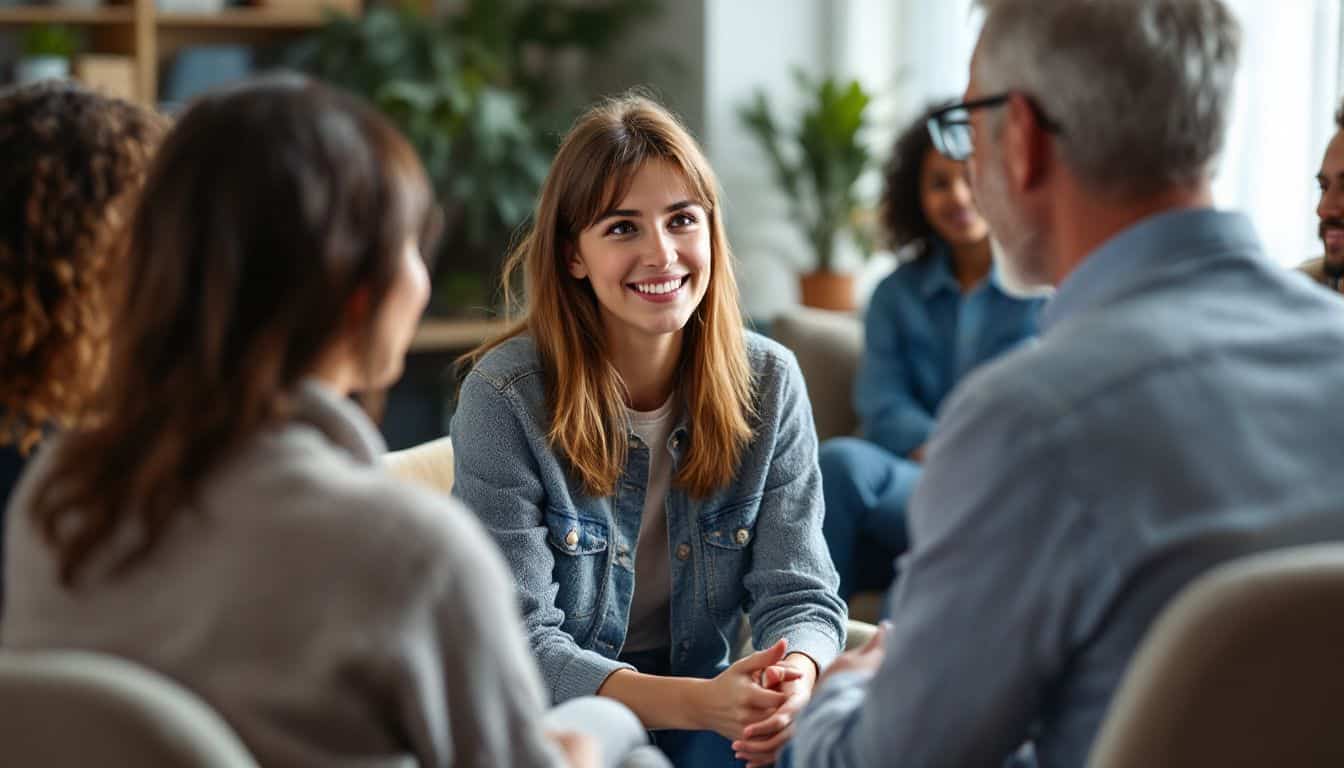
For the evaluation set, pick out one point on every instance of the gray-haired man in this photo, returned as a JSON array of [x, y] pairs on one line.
[[1178, 410]]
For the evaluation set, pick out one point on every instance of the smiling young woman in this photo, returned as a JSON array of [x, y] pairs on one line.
[[649, 467]]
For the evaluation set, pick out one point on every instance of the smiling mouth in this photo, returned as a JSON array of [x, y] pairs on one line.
[[659, 288]]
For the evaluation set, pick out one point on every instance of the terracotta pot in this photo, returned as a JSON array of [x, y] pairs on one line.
[[828, 290]]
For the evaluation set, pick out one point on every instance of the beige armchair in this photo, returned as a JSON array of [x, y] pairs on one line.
[[75, 708], [828, 346], [429, 464], [1242, 669]]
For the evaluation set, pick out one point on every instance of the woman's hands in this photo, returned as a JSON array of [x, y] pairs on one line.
[[761, 741], [746, 693]]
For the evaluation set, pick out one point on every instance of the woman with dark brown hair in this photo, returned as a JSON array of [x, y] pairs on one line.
[[226, 521], [71, 163]]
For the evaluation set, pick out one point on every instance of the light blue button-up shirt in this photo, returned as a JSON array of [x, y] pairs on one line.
[[921, 336], [1179, 409]]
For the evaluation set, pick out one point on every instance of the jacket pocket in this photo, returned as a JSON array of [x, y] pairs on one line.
[[579, 545], [728, 534]]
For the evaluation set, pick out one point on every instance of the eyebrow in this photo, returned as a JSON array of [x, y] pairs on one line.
[[634, 214]]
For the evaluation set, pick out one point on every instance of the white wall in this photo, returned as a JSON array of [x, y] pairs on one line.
[[751, 44], [904, 52], [1287, 90]]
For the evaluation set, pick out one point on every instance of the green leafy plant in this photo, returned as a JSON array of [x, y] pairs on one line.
[[474, 92], [49, 40], [817, 160]]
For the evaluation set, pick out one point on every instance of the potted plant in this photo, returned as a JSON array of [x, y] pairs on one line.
[[473, 93], [817, 162], [46, 52]]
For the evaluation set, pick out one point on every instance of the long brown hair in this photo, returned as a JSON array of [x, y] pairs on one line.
[[267, 208], [591, 173], [71, 164]]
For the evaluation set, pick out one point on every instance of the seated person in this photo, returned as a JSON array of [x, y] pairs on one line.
[[1177, 411], [71, 163], [647, 465], [225, 520], [1328, 269], [929, 323]]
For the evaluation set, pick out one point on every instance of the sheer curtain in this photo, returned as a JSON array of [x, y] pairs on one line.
[[1283, 117], [1287, 91]]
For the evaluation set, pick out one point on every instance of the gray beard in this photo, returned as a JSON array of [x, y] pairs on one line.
[[1021, 271]]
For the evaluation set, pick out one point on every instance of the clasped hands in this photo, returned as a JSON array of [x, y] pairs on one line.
[[759, 696], [755, 700]]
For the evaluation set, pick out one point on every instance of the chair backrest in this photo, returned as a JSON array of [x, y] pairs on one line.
[[68, 708], [1244, 668], [429, 464], [828, 346]]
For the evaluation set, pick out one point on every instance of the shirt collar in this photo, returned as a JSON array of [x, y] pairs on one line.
[[343, 422], [938, 275], [1167, 239]]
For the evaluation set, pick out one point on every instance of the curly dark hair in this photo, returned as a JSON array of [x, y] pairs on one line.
[[69, 159], [902, 213], [1339, 116]]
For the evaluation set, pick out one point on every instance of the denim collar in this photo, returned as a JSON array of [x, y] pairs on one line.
[[938, 276], [1176, 238]]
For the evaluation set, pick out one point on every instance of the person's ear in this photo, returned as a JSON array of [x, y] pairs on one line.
[[1026, 142], [574, 260]]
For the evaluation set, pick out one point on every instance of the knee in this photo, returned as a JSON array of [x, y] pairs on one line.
[[840, 459]]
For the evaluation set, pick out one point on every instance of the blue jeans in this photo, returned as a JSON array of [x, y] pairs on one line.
[[865, 489]]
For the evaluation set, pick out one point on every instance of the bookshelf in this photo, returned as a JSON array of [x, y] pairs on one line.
[[149, 37]]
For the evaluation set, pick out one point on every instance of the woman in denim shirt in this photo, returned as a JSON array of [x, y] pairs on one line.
[[647, 466], [928, 324]]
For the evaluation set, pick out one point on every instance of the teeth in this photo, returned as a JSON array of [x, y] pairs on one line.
[[657, 288]]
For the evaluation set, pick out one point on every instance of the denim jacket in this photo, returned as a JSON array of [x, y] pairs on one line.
[[922, 335], [754, 545]]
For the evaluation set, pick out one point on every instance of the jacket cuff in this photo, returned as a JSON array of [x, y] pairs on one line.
[[820, 644], [583, 674]]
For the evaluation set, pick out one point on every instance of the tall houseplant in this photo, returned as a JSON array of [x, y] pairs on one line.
[[817, 161]]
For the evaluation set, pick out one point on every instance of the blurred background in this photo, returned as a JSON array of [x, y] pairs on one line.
[[795, 101]]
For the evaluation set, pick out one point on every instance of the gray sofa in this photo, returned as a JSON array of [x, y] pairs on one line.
[[828, 346]]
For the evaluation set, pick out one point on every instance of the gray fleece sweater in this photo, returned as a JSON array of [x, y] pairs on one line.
[[332, 615]]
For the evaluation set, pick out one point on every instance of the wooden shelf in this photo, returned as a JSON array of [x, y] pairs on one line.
[[242, 18], [447, 335], [138, 29], [46, 14]]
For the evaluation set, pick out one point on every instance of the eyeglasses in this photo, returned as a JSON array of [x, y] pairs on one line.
[[950, 127]]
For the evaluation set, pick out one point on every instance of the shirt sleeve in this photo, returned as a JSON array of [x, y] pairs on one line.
[[496, 475], [983, 607], [474, 697], [884, 389], [792, 581]]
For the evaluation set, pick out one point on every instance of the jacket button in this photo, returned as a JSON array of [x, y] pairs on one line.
[[683, 551], [742, 536], [572, 538]]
